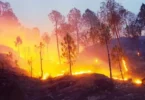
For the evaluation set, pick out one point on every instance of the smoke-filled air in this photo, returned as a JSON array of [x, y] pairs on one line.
[[107, 43]]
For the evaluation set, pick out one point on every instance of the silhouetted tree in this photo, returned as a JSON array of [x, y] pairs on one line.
[[30, 64], [40, 47], [18, 42], [10, 55], [16, 62], [112, 14], [74, 19], [141, 16], [64, 28], [69, 50], [57, 19], [116, 55], [140, 24], [85, 38], [7, 16], [105, 37], [91, 21], [46, 39]]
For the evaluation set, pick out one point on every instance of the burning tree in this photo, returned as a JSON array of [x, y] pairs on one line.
[[30, 64], [116, 55], [40, 47], [69, 50], [18, 42], [105, 38]]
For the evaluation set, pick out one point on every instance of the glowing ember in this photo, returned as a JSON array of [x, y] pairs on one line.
[[124, 64], [82, 72], [120, 79], [138, 81]]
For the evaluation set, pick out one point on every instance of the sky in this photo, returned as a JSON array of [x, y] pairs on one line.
[[34, 13]]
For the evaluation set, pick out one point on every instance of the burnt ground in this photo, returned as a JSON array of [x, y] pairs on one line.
[[84, 87]]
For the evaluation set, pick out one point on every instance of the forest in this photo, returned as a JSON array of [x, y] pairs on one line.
[[91, 55]]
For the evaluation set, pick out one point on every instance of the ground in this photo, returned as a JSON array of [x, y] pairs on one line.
[[83, 87]]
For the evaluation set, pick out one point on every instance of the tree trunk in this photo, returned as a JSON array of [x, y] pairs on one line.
[[18, 51], [120, 68], [57, 44], [70, 65], [31, 70], [109, 60], [117, 35], [119, 44], [137, 45], [78, 44], [41, 64]]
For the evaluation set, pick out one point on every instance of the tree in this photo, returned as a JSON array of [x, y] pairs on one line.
[[10, 55], [91, 21], [40, 47], [105, 37], [116, 55], [140, 24], [7, 16], [64, 28], [74, 19], [30, 64], [69, 50], [57, 19], [46, 39], [85, 39], [18, 42], [112, 14], [133, 31], [141, 16]]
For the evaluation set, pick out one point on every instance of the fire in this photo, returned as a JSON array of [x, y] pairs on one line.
[[45, 76], [82, 72], [138, 81], [124, 64], [120, 79]]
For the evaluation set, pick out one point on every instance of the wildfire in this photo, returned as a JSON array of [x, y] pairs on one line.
[[45, 76], [124, 64], [120, 79], [138, 81], [82, 72]]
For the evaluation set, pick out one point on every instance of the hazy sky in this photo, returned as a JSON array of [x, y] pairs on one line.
[[33, 13]]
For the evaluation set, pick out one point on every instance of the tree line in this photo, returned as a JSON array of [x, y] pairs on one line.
[[83, 29], [111, 21]]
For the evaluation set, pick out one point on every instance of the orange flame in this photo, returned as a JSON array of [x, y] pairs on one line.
[[138, 81], [124, 64]]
